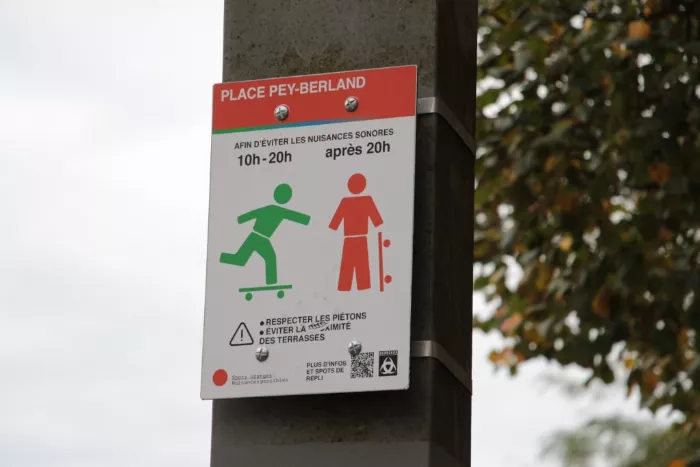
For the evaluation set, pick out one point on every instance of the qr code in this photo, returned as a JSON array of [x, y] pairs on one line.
[[362, 365]]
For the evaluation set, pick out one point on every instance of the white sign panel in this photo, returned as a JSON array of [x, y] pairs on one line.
[[310, 235]]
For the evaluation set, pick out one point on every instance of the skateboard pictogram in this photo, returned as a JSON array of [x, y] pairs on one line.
[[355, 213], [267, 220], [279, 288], [383, 243]]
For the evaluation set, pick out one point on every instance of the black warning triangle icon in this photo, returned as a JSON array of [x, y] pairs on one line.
[[241, 336]]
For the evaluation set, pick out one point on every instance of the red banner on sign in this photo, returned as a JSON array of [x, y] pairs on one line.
[[381, 93]]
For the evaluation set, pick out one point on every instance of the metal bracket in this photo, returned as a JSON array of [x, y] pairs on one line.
[[434, 105], [431, 349]]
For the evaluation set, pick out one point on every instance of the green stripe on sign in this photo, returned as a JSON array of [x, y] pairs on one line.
[[284, 125]]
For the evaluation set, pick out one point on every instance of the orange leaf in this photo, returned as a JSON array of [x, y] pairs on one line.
[[620, 50], [534, 207], [565, 201], [506, 357], [639, 28], [501, 312], [665, 234], [559, 297], [509, 175], [545, 275], [601, 303], [650, 379], [566, 243], [551, 163], [511, 323], [659, 173], [557, 29], [588, 24], [522, 288], [531, 335], [629, 362], [533, 298], [677, 463], [650, 6]]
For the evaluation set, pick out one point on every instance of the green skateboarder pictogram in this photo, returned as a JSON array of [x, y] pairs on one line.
[[267, 220]]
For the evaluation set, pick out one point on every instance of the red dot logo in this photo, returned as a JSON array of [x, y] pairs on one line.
[[220, 377]]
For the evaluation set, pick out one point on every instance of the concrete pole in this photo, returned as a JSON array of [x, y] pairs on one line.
[[428, 425]]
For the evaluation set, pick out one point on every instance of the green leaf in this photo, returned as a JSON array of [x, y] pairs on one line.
[[481, 282], [488, 97], [558, 133], [523, 58]]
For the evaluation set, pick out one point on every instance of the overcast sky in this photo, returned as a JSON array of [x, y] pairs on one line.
[[104, 158]]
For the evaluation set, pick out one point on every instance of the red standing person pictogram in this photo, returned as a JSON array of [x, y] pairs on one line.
[[355, 212]]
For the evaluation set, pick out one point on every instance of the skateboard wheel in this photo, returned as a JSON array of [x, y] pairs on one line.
[[280, 294], [249, 296]]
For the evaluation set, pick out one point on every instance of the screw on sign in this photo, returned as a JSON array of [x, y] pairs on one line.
[[262, 353], [354, 347], [281, 112], [351, 104]]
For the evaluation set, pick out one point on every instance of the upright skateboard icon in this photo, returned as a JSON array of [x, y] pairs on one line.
[[383, 279], [267, 220], [356, 212]]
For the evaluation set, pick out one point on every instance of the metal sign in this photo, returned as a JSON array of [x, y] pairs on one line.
[[310, 242]]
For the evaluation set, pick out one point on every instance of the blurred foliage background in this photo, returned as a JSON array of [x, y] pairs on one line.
[[615, 439], [588, 182]]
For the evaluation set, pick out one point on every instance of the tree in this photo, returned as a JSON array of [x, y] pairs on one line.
[[621, 442], [616, 440], [588, 178]]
